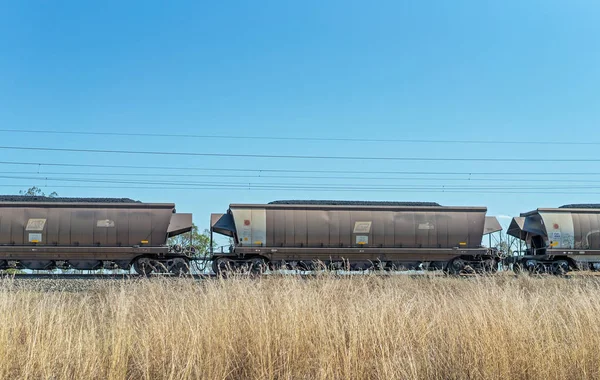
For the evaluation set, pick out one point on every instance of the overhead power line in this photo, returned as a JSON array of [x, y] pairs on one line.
[[268, 170], [306, 177], [301, 157], [221, 188], [299, 186], [295, 138]]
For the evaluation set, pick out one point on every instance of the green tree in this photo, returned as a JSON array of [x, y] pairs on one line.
[[36, 191], [199, 241]]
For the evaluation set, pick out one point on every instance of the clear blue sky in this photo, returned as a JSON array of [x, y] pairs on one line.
[[517, 71]]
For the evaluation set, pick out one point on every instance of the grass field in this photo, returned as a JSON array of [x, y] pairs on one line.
[[365, 327]]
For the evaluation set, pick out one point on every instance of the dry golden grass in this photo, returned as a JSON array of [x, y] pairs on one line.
[[288, 328]]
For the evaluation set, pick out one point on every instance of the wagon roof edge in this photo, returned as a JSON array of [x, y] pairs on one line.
[[358, 207], [562, 210], [86, 204]]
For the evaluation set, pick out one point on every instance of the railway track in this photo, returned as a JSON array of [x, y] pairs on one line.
[[132, 276], [103, 276]]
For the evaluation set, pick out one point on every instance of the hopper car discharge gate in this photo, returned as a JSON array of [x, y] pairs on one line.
[[308, 235], [41, 233]]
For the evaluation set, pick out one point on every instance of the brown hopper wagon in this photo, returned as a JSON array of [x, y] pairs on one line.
[[355, 235], [90, 233], [559, 239]]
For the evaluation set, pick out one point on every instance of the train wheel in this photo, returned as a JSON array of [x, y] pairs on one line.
[[490, 266], [143, 266], [277, 266], [531, 266], [257, 266], [221, 266], [517, 268], [561, 267], [456, 266], [159, 266], [541, 268], [179, 266]]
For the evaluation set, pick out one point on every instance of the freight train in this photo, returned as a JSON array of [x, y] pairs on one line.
[[42, 233]]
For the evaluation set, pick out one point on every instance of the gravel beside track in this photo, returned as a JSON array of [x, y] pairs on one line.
[[100, 282], [75, 285], [77, 282], [59, 282]]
